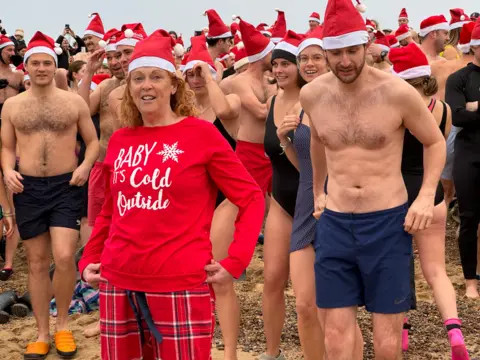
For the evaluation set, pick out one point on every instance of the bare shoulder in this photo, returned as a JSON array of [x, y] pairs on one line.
[[117, 93], [316, 88]]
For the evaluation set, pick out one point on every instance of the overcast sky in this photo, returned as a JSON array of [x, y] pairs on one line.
[[184, 16]]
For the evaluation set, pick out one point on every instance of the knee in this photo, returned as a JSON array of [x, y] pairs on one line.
[[333, 334], [275, 281], [306, 309], [222, 290], [38, 264], [387, 347], [64, 262]]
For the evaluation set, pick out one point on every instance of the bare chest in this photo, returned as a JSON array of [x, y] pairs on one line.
[[35, 116], [7, 91]]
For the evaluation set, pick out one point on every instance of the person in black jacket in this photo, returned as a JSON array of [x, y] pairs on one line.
[[68, 50], [463, 96]]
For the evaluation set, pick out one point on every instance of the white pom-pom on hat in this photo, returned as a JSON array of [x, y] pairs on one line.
[[129, 33], [240, 45], [462, 18], [278, 10], [92, 15], [360, 7], [102, 44], [58, 50], [178, 50], [235, 17]]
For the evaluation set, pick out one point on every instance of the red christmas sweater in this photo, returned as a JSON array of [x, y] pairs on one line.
[[153, 233]]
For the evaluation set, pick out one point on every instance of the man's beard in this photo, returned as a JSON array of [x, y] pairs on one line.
[[348, 80], [439, 46]]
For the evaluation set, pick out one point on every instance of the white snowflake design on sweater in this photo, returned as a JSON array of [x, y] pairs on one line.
[[170, 152]]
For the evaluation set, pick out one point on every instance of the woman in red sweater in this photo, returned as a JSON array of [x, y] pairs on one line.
[[150, 248]]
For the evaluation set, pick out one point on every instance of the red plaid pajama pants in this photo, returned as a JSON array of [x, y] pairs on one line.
[[185, 319]]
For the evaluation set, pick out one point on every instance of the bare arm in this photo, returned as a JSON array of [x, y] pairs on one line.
[[448, 125], [89, 135], [226, 107], [421, 123], [9, 139], [249, 100]]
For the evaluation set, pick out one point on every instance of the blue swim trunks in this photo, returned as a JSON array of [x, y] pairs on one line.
[[363, 259]]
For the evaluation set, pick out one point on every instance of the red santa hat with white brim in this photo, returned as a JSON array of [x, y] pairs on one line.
[[154, 51], [131, 34], [199, 54], [459, 18], [433, 23], [95, 28], [370, 25], [314, 38], [241, 58], [42, 44], [465, 37], [26, 77], [279, 29], [217, 29], [403, 15], [256, 45], [409, 62], [5, 41], [109, 41], [314, 16], [403, 32], [343, 25], [382, 41], [287, 48], [476, 34]]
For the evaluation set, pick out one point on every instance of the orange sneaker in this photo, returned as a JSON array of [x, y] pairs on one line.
[[36, 350], [65, 344]]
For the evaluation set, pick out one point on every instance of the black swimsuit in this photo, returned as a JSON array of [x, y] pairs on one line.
[[412, 161], [285, 175], [218, 124]]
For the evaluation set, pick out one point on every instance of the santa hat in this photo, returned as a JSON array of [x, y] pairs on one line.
[[370, 25], [466, 37], [459, 18], [476, 34], [262, 27], [131, 34], [314, 16], [433, 23], [237, 39], [241, 58], [184, 62], [198, 54], [392, 41], [26, 77], [381, 40], [403, 15], [256, 45], [235, 29], [97, 79], [42, 44], [109, 41], [314, 38], [179, 49], [279, 29], [343, 25], [216, 27], [403, 32], [95, 28], [154, 51], [288, 47], [5, 41], [409, 62]]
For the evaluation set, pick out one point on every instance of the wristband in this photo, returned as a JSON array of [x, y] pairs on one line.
[[286, 145]]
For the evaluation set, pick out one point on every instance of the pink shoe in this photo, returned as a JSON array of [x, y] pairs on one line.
[[459, 350], [406, 327]]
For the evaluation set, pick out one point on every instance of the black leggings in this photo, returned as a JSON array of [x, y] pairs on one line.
[[466, 176]]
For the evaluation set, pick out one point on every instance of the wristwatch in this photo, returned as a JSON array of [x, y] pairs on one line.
[[383, 54]]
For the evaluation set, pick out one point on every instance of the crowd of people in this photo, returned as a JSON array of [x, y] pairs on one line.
[[164, 161]]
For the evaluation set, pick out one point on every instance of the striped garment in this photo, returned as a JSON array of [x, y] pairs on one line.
[[184, 319]]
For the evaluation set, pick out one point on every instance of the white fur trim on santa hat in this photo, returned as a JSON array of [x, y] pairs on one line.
[[276, 40], [93, 86], [242, 62], [262, 54], [26, 78], [314, 19], [414, 73], [429, 29], [127, 42], [10, 43], [151, 61], [240, 45], [346, 40], [464, 48], [383, 47], [396, 45], [93, 33], [370, 27], [285, 46], [40, 50], [192, 63], [458, 25], [475, 42], [402, 18], [308, 42], [403, 36], [228, 34], [111, 47]]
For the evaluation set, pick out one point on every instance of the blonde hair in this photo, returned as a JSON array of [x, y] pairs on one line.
[[182, 103]]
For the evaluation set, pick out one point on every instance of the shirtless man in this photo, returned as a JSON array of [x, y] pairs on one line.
[[240, 66], [365, 249], [380, 57], [10, 84], [92, 36], [43, 122]]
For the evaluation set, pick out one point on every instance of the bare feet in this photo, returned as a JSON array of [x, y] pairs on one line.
[[471, 289], [92, 330]]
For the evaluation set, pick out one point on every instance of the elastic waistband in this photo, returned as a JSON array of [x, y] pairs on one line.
[[44, 179], [370, 215], [250, 145]]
